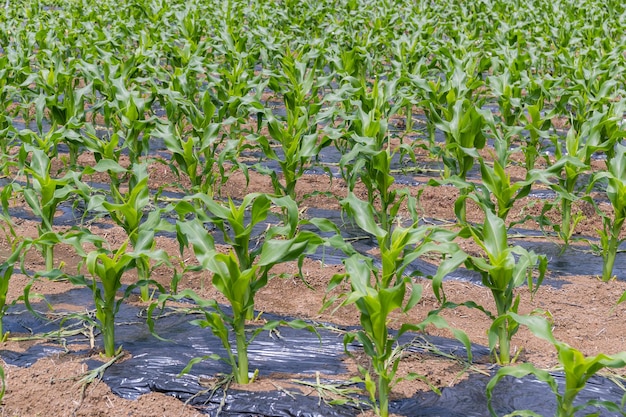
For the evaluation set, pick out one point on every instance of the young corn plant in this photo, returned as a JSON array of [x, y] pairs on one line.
[[610, 234], [43, 193], [365, 109], [601, 132], [571, 161], [126, 110], [370, 164], [577, 367], [462, 122], [245, 269], [106, 151], [369, 153], [58, 95], [127, 210], [508, 86], [496, 191], [538, 124], [106, 268], [199, 154], [375, 302], [235, 85], [297, 135], [497, 182], [502, 270], [7, 130], [430, 91], [448, 102], [378, 292], [18, 246]]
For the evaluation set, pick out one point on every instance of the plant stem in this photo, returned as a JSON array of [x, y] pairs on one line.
[[145, 293], [464, 192], [48, 251], [503, 306], [409, 117], [530, 151], [143, 274], [611, 251], [566, 212], [108, 329], [241, 372], [566, 406], [504, 344], [383, 396]]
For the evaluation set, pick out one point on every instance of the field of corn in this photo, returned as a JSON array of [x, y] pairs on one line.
[[393, 168]]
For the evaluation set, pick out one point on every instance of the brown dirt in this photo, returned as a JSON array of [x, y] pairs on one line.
[[583, 311]]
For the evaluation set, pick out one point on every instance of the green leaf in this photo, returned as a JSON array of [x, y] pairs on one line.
[[201, 240], [363, 214]]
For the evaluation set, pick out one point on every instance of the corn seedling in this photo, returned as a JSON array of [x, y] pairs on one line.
[[610, 234], [297, 135], [462, 122], [577, 368], [538, 124], [370, 154], [58, 92], [43, 193], [378, 292], [497, 182], [106, 268], [245, 269], [17, 247], [127, 210], [502, 270], [196, 154]]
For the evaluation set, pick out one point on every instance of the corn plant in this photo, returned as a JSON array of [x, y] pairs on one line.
[[17, 246], [199, 154], [573, 159], [497, 182], [507, 87], [7, 130], [462, 122], [370, 164], [106, 268], [235, 85], [58, 93], [378, 292], [369, 153], [127, 210], [610, 234], [106, 151], [126, 110], [375, 303], [577, 368], [297, 135], [43, 193], [502, 270], [538, 124], [448, 100], [364, 110], [245, 269], [592, 89], [495, 192]]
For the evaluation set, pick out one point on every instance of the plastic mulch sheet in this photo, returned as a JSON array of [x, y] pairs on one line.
[[155, 365]]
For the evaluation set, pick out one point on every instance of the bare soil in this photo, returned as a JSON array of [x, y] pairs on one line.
[[583, 309]]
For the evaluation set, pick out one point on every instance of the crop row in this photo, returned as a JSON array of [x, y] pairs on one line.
[[378, 81]]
